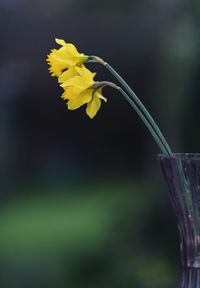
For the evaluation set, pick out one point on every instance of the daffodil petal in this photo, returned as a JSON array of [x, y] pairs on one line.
[[98, 94], [101, 97], [64, 55], [66, 75], [70, 92], [72, 49], [80, 99], [60, 42], [76, 81], [93, 106], [85, 73]]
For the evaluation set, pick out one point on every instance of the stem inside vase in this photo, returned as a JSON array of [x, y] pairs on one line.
[[182, 176]]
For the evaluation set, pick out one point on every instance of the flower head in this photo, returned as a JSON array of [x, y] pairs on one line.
[[78, 85], [64, 57]]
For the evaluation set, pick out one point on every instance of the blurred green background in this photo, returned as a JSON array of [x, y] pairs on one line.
[[83, 202]]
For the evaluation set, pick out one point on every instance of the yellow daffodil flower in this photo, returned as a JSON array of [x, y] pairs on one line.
[[64, 57], [76, 82], [80, 88]]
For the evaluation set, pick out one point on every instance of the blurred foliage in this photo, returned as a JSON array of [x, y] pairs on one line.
[[80, 238]]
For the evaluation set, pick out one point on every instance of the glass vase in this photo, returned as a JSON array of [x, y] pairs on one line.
[[182, 176]]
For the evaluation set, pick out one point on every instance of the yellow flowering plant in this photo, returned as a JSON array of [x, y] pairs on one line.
[[80, 88], [64, 57]]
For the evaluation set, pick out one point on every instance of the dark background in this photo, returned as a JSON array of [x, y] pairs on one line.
[[83, 202]]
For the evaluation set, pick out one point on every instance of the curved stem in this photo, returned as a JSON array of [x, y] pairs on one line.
[[136, 99], [147, 124], [142, 107]]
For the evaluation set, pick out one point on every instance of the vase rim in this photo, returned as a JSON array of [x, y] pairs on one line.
[[180, 156]]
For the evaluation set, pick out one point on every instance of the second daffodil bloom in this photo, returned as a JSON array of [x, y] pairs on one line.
[[78, 83], [64, 57]]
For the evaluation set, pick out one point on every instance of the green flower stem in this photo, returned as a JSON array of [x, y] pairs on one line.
[[137, 101], [142, 107], [146, 122]]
